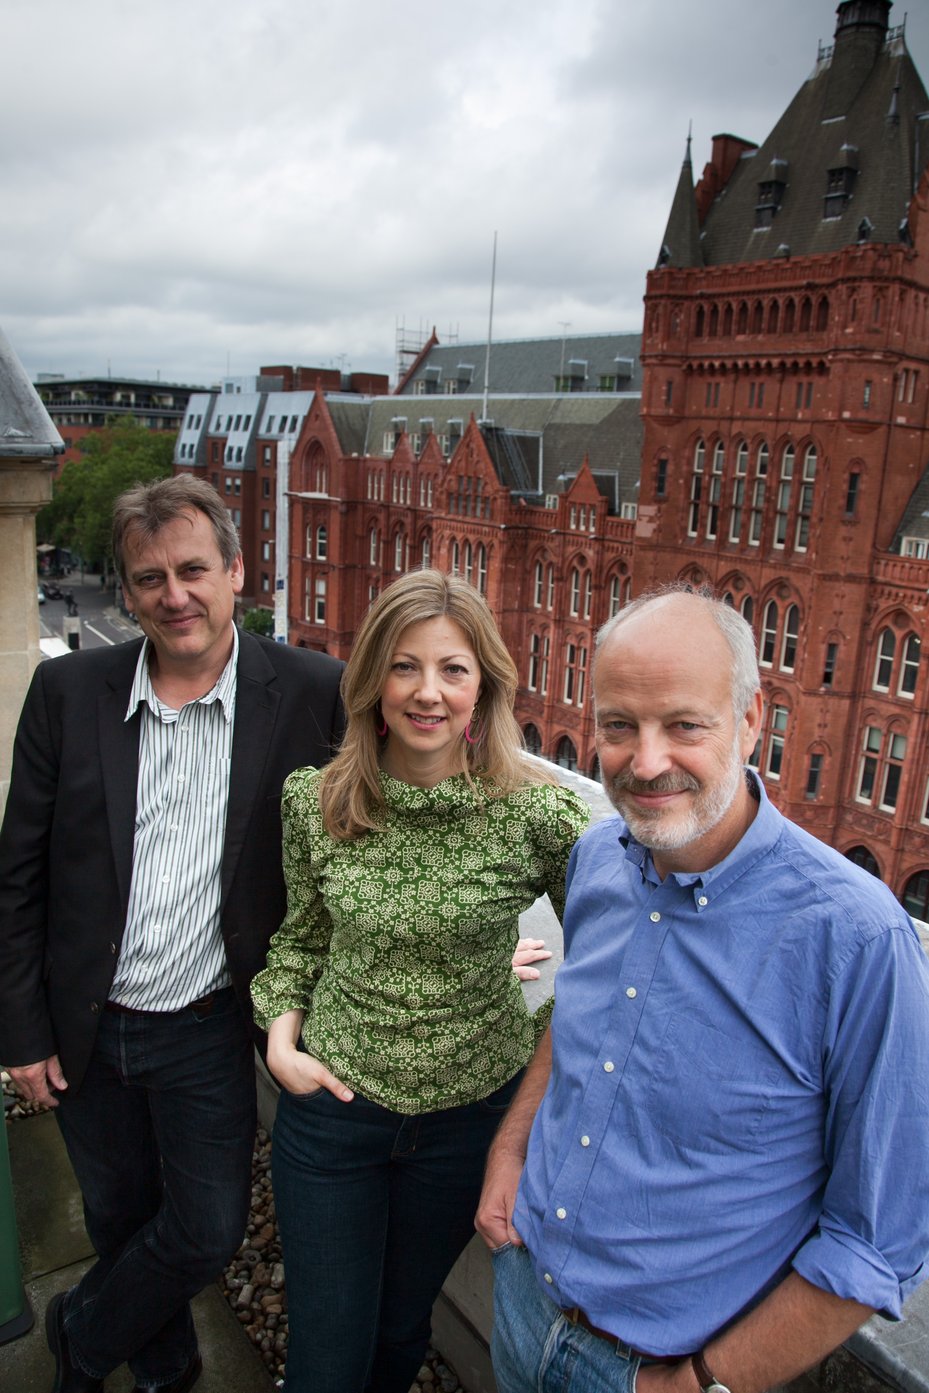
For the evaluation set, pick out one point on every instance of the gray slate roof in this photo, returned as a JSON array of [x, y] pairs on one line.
[[859, 99], [531, 365]]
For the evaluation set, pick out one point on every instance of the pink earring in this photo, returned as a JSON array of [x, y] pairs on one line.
[[470, 735]]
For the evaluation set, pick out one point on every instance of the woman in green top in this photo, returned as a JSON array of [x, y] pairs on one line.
[[396, 1025]]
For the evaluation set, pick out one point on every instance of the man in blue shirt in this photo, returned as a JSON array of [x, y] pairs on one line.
[[726, 1169]]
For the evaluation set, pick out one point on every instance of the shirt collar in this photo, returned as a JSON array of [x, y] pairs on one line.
[[223, 692], [756, 841]]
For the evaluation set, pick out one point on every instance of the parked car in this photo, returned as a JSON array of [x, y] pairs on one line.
[[52, 591]]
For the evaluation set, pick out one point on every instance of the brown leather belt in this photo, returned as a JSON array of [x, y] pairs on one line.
[[203, 1003], [578, 1317]]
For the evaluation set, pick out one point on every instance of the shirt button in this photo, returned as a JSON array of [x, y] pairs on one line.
[[655, 916], [166, 880], [548, 1277], [585, 1141], [180, 778], [631, 993], [562, 1213], [173, 826], [703, 902], [609, 1066]]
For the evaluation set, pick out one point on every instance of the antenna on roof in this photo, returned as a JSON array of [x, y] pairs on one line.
[[490, 328]]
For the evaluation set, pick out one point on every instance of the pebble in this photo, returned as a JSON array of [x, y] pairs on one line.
[[254, 1284]]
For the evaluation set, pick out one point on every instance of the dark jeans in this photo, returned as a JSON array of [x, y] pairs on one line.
[[374, 1207], [160, 1136]]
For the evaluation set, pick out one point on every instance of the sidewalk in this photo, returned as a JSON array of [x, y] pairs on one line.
[[55, 1251]]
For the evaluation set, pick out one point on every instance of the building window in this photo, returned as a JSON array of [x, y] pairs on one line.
[[768, 635], [480, 567], [866, 394], [319, 606], [588, 593], [265, 581], [266, 488], [322, 543], [532, 739], [915, 897], [777, 736], [738, 492], [544, 664], [266, 551], [696, 489], [535, 654], [789, 641], [851, 494], [575, 592], [265, 519], [829, 662], [374, 547], [715, 489], [805, 508], [909, 667], [886, 652], [861, 856], [308, 551], [783, 496], [756, 518], [813, 776], [881, 767], [537, 586], [661, 477], [426, 551], [566, 754], [550, 587]]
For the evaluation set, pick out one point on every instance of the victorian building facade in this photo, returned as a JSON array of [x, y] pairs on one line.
[[768, 437]]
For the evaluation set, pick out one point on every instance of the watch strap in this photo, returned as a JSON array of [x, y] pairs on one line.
[[707, 1381]]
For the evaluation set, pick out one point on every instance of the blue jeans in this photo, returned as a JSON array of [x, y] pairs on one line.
[[160, 1135], [374, 1207], [536, 1350]]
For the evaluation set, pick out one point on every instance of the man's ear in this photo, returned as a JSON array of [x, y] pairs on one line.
[[750, 728]]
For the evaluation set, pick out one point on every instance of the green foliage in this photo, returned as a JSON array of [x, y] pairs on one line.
[[259, 621], [113, 459]]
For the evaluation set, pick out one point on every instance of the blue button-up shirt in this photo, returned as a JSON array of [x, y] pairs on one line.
[[740, 1086]]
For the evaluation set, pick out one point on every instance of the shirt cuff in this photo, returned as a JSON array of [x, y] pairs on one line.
[[845, 1264]]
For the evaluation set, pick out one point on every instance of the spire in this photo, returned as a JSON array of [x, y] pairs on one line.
[[681, 242]]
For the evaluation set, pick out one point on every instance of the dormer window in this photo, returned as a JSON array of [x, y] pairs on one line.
[[771, 193], [840, 182]]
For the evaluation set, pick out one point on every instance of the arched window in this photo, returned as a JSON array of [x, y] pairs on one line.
[[727, 321], [533, 739], [696, 488], [758, 318], [550, 586], [783, 495], [399, 548], [748, 609], [756, 517], [566, 754], [425, 551], [774, 312], [588, 593], [743, 318], [374, 547], [768, 634], [738, 492], [789, 640], [790, 311], [909, 667], [805, 508], [575, 592], [886, 651], [806, 314], [322, 542], [480, 567], [468, 562], [915, 897], [880, 770], [537, 586], [714, 321], [861, 856], [822, 314], [456, 558], [715, 489]]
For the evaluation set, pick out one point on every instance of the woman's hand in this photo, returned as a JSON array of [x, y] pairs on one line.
[[529, 950], [295, 1070]]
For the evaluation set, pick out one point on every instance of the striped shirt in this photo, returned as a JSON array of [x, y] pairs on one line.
[[172, 951]]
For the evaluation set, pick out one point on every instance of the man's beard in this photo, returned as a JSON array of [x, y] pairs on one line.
[[664, 830]]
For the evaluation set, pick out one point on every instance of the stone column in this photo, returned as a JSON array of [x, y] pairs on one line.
[[25, 487]]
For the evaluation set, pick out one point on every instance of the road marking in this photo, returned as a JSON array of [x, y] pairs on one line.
[[110, 641]]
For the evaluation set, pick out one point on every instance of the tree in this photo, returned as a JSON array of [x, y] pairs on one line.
[[80, 514], [259, 621]]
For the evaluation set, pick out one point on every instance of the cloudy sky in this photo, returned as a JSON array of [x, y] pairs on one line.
[[195, 187]]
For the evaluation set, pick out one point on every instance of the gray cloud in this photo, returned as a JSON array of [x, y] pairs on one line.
[[188, 186]]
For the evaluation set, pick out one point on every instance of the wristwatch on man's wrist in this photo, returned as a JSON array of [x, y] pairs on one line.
[[708, 1384]]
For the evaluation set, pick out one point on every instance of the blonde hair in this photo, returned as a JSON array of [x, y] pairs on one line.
[[494, 764]]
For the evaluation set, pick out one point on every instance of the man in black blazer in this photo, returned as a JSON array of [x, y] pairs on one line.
[[140, 882]]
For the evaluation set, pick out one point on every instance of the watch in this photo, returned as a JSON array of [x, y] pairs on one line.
[[707, 1382]]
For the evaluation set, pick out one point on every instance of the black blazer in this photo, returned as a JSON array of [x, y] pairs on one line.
[[67, 837]]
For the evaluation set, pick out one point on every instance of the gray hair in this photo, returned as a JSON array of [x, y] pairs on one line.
[[735, 629], [142, 511]]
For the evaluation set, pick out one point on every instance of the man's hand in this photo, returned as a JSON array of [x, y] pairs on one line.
[[528, 951], [494, 1218], [294, 1070], [35, 1081]]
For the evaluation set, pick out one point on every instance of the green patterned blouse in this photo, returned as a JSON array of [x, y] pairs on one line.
[[398, 945]]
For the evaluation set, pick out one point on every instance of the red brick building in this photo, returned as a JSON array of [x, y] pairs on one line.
[[786, 368], [772, 440]]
